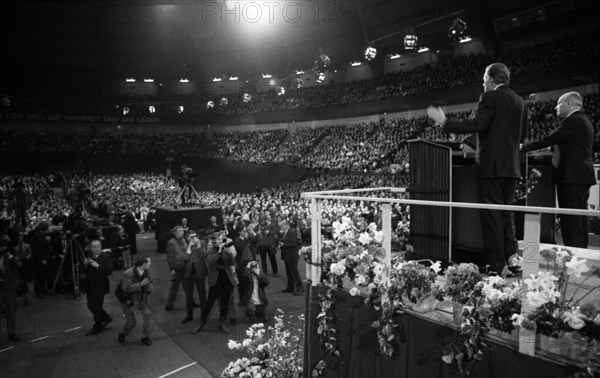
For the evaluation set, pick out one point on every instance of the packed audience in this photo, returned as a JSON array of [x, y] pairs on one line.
[[358, 147]]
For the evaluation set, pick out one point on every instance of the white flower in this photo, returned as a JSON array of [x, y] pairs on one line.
[[339, 269], [378, 236], [360, 279], [436, 267], [245, 343], [573, 319], [233, 345], [372, 227], [575, 267], [364, 238], [597, 319], [354, 291]]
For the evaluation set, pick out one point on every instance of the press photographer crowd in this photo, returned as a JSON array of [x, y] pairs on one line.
[[70, 238]]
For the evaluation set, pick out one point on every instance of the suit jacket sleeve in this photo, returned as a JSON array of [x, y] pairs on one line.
[[290, 240], [564, 131], [105, 264], [482, 120]]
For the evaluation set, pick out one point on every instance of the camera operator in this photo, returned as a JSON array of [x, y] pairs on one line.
[[221, 279], [186, 182], [137, 283], [9, 279], [98, 267]]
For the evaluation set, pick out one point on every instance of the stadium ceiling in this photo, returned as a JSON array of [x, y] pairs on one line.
[[207, 38]]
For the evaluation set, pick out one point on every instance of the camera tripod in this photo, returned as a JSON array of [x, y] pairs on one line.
[[191, 192], [73, 250]]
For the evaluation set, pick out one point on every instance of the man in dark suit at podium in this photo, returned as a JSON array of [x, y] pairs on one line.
[[573, 171], [501, 124]]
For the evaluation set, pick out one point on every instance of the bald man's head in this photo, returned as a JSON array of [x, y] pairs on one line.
[[568, 103]]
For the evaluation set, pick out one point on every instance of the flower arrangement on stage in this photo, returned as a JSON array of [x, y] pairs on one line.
[[460, 280], [411, 283], [354, 256], [490, 305], [525, 185], [555, 312], [276, 351]]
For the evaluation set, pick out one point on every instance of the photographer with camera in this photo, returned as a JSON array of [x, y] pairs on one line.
[[221, 279], [98, 266], [137, 284], [195, 273], [9, 279], [252, 288]]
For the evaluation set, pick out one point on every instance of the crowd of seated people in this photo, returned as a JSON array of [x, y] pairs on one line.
[[358, 147], [448, 72]]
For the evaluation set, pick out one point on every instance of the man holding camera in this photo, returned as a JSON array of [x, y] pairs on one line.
[[195, 273], [98, 267], [137, 283], [9, 279], [252, 288], [221, 279]]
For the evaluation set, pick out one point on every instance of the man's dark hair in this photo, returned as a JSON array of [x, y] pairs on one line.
[[499, 73], [141, 260]]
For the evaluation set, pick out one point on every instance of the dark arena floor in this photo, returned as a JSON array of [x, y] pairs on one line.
[[54, 342]]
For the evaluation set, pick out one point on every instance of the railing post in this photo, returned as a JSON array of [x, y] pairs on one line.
[[313, 271], [387, 239], [531, 262]]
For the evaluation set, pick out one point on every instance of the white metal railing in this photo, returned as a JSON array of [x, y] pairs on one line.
[[531, 234]]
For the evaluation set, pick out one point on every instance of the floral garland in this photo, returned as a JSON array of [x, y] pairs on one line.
[[410, 282]]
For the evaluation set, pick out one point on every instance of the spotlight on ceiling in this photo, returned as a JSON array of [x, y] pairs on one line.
[[370, 53], [299, 83], [180, 109], [210, 105], [411, 40], [281, 91], [457, 28], [126, 110], [224, 101], [246, 97], [6, 101], [320, 78], [322, 63], [151, 109]]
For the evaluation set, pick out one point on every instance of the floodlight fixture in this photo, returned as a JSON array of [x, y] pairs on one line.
[[130, 80], [457, 28], [370, 53], [184, 81], [411, 40], [148, 80]]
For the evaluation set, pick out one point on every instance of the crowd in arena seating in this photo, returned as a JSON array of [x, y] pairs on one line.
[[358, 147]]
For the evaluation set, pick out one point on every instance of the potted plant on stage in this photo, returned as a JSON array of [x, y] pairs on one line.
[[458, 283]]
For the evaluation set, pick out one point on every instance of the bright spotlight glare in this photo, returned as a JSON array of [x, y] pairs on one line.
[[180, 109], [126, 110], [210, 105], [151, 109]]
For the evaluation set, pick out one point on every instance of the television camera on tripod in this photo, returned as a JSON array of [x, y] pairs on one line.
[[186, 182]]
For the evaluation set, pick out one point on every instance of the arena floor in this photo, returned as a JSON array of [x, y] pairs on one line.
[[54, 342]]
